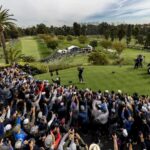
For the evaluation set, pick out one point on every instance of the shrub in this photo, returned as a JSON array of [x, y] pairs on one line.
[[82, 39], [46, 37], [28, 58], [106, 44], [52, 44], [69, 38], [118, 61], [60, 37], [98, 58], [94, 43], [119, 47], [42, 67]]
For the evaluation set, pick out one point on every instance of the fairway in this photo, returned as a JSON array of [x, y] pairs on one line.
[[101, 77], [30, 47]]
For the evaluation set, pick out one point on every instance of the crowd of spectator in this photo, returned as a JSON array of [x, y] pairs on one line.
[[38, 115]]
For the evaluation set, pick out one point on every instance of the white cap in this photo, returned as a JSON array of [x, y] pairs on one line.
[[106, 91], [74, 93], [124, 132], [94, 147], [87, 90], [119, 91], [62, 104], [113, 110], [8, 127], [34, 129], [40, 114], [26, 121], [18, 144], [82, 107], [27, 96], [24, 81], [48, 141], [144, 109]]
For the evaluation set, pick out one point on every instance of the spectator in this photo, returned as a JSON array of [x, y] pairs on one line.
[[41, 115]]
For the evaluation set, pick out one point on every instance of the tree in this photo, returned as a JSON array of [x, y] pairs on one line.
[[98, 58], [94, 43], [6, 21], [60, 37], [82, 39], [52, 44], [76, 29], [147, 41], [112, 33], [83, 30], [119, 47], [136, 32], [106, 44], [14, 55], [106, 34], [128, 34], [12, 32], [42, 29], [140, 39], [69, 38], [121, 32]]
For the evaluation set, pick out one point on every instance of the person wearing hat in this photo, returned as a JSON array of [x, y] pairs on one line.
[[49, 141], [19, 144], [83, 117], [8, 131], [94, 147], [19, 134], [26, 125]]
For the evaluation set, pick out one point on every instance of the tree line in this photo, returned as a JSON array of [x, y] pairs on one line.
[[141, 33]]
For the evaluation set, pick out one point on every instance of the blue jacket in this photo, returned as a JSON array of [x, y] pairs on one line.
[[1, 129], [20, 136]]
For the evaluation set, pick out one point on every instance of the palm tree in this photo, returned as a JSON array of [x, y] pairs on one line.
[[14, 55], [5, 22]]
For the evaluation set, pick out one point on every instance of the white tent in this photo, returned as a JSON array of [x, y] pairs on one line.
[[90, 47], [59, 51], [73, 48], [64, 51]]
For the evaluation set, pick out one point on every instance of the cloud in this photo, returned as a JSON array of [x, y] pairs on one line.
[[59, 12]]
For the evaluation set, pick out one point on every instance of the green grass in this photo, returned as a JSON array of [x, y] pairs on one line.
[[42, 48], [30, 47], [130, 54], [101, 77], [80, 59]]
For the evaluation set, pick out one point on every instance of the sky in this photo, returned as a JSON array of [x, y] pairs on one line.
[[65, 12]]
